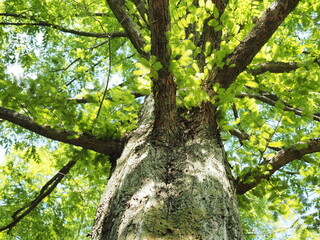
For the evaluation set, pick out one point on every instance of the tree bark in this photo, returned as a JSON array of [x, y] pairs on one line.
[[159, 191], [172, 180]]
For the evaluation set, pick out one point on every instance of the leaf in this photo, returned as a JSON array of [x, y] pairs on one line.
[[213, 23], [142, 69], [276, 144], [218, 28], [141, 72], [157, 66], [216, 12], [252, 84]]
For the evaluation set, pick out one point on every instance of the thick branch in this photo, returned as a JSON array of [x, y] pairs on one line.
[[128, 25], [270, 166], [243, 54], [164, 87], [272, 101], [277, 67], [45, 191], [273, 67], [113, 148]]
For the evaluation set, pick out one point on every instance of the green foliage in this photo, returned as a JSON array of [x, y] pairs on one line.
[[67, 213], [58, 66]]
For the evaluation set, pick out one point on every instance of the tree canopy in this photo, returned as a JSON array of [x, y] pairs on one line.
[[73, 78]]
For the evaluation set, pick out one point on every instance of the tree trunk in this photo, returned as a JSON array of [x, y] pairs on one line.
[[180, 189]]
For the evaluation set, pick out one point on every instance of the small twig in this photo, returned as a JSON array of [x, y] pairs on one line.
[[272, 233], [270, 138], [67, 67], [66, 30], [110, 59], [243, 136], [108, 79]]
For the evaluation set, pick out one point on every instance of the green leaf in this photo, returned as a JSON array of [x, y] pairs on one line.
[[276, 144], [252, 84], [218, 28], [141, 72], [216, 12], [213, 23]]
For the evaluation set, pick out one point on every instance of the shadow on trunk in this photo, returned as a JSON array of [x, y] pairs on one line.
[[180, 190]]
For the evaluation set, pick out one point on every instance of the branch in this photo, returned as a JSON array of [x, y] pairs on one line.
[[273, 67], [67, 67], [270, 166], [58, 27], [277, 67], [113, 148], [272, 101], [128, 25], [243, 136], [164, 86], [81, 100], [79, 33], [45, 191], [262, 31]]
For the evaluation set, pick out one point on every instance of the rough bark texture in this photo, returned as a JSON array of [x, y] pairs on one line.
[[164, 87], [178, 191], [173, 180]]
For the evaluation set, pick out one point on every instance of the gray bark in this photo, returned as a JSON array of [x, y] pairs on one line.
[[162, 191]]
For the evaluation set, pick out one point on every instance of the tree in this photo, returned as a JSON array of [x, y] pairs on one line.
[[190, 105]]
